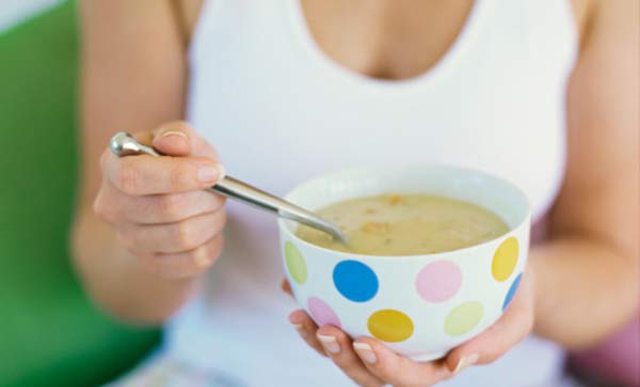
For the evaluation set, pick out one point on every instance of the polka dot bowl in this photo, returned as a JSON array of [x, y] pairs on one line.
[[420, 305]]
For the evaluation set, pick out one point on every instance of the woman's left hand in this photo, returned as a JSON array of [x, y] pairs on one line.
[[371, 364]]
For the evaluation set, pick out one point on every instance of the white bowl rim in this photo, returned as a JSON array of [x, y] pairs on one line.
[[526, 219]]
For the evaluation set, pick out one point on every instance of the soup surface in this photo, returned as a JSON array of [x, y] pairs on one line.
[[406, 225]]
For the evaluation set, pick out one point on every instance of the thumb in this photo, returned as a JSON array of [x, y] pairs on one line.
[[174, 139], [512, 327]]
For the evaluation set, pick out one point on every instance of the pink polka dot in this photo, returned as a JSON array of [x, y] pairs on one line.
[[322, 313], [439, 281]]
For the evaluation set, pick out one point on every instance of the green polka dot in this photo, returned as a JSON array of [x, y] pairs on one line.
[[295, 263], [463, 318]]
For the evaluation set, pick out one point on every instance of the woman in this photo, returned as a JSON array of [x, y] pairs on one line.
[[287, 90]]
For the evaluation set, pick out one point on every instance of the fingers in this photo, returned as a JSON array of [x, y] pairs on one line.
[[115, 207], [370, 363], [171, 238], [514, 325], [173, 139], [146, 175], [398, 370], [185, 264], [194, 169], [307, 329], [158, 206], [180, 139], [286, 287], [366, 361], [338, 346], [332, 342]]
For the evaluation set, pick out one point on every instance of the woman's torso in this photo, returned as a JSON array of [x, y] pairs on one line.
[[280, 111]]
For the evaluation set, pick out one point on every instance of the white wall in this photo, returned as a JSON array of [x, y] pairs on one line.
[[13, 11]]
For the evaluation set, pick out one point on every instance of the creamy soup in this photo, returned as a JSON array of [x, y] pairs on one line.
[[406, 225]]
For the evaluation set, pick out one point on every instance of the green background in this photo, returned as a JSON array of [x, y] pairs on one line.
[[50, 333]]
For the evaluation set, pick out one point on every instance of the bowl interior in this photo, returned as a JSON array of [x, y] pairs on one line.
[[485, 190]]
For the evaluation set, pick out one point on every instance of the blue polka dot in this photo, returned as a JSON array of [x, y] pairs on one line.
[[355, 281], [512, 291]]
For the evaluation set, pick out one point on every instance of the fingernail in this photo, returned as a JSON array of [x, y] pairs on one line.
[[174, 133], [300, 329], [202, 260], [210, 173], [365, 352], [465, 362], [222, 171], [329, 343]]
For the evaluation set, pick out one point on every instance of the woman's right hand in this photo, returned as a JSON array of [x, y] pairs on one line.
[[158, 206]]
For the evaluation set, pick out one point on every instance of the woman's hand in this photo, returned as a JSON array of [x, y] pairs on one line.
[[371, 364], [158, 206]]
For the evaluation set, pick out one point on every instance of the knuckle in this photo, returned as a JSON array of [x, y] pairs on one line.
[[199, 256], [170, 206], [185, 264], [180, 177], [104, 210], [204, 257], [183, 235], [349, 364], [99, 206], [386, 373], [193, 258], [491, 356]]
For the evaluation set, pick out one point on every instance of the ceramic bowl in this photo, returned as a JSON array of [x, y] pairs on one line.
[[421, 306]]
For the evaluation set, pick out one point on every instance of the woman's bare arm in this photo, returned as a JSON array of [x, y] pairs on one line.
[[587, 275], [133, 77]]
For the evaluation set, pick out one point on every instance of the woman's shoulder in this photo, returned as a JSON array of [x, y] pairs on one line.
[[587, 12]]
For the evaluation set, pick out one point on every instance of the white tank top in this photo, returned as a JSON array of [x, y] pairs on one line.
[[280, 111]]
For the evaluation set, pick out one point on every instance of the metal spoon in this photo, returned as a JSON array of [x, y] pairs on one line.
[[123, 144]]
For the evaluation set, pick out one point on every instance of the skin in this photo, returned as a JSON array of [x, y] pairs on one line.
[[586, 272]]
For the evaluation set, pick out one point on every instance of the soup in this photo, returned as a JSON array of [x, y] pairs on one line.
[[409, 224]]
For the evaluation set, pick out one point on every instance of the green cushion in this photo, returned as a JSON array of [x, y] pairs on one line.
[[50, 333]]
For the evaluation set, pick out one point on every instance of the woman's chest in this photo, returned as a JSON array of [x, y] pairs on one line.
[[386, 39], [280, 112], [278, 134]]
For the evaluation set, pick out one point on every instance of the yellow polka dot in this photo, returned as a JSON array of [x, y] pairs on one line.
[[390, 326], [463, 318], [505, 259], [296, 265]]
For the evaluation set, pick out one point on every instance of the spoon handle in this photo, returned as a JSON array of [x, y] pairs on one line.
[[123, 144]]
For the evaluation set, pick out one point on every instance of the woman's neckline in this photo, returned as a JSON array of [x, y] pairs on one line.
[[445, 62]]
